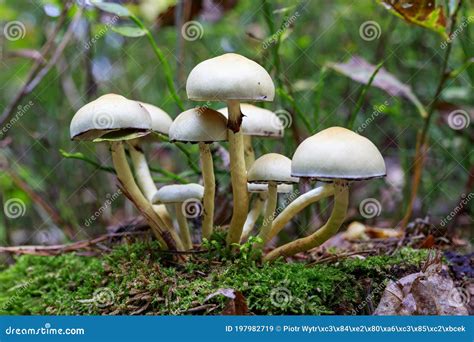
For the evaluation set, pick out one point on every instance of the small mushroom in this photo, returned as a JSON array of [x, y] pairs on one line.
[[232, 78], [115, 119], [160, 123], [257, 122], [271, 169], [261, 192], [187, 200], [204, 126], [339, 156]]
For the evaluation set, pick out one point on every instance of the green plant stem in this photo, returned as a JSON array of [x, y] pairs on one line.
[[423, 134], [161, 57], [362, 97]]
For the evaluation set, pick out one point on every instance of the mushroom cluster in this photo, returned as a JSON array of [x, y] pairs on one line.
[[335, 156]]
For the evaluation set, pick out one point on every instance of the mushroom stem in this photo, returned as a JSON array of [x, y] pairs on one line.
[[249, 153], [145, 180], [253, 216], [269, 213], [183, 227], [167, 238], [209, 189], [299, 204], [338, 214], [238, 172]]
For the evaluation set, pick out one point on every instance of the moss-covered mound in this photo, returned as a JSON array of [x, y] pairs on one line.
[[139, 279]]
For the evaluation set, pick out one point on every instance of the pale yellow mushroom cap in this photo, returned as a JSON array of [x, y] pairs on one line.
[[178, 193], [281, 188], [110, 117], [200, 124], [271, 167], [258, 122], [229, 77], [337, 153], [160, 120]]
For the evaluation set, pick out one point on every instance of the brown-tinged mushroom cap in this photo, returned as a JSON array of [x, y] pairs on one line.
[[110, 117], [271, 167], [258, 122], [281, 188], [178, 193], [160, 120], [200, 124], [229, 77], [337, 153]]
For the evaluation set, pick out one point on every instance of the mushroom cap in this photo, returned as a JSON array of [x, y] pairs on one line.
[[337, 153], [229, 77], [258, 121], [200, 124], [177, 193], [110, 117], [281, 188], [271, 167], [160, 120]]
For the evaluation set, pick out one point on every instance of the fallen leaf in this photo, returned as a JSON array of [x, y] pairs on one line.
[[359, 70], [236, 306], [423, 13]]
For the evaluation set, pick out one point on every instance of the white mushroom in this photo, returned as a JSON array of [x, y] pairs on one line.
[[271, 169], [335, 155], [186, 199], [204, 126], [232, 78]]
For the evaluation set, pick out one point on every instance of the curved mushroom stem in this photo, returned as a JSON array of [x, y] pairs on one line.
[[253, 215], [238, 173], [269, 213], [338, 214], [249, 153], [299, 204], [167, 238], [209, 189], [183, 227], [145, 180]]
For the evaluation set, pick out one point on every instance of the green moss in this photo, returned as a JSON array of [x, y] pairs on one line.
[[139, 278]]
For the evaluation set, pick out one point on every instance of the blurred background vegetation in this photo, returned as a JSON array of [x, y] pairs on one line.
[[87, 58]]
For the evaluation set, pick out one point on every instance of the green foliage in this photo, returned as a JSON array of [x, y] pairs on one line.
[[66, 284]]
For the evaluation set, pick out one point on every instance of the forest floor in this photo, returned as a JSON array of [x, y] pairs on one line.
[[136, 277]]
